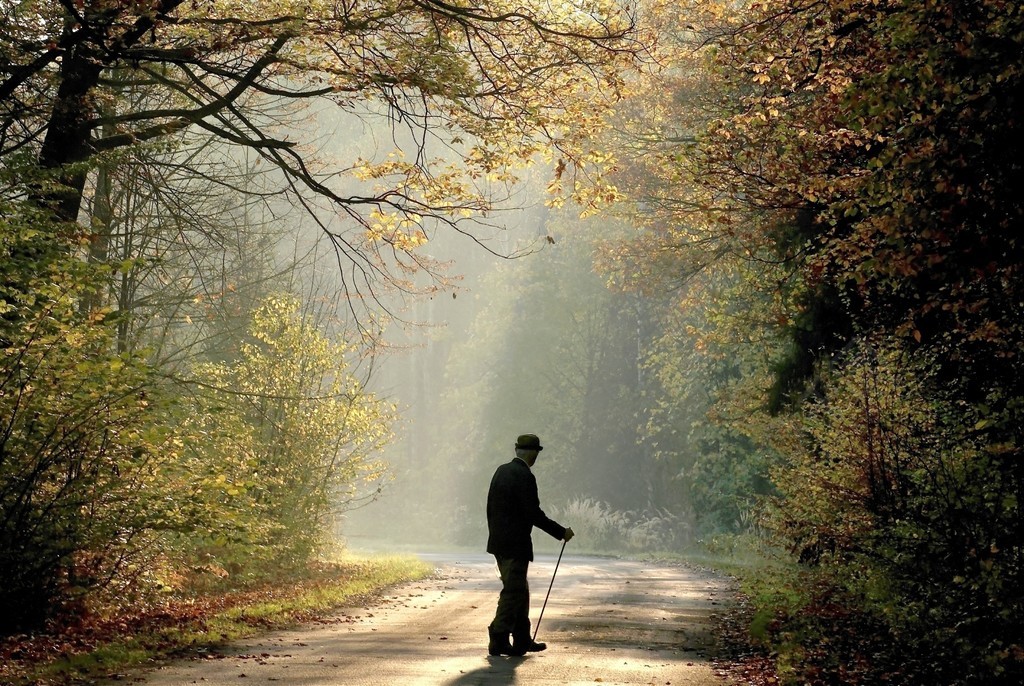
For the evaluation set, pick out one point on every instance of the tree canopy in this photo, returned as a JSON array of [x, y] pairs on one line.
[[802, 327], [151, 157], [851, 169], [492, 85]]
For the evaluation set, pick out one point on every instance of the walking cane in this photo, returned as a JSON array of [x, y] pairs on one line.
[[537, 628]]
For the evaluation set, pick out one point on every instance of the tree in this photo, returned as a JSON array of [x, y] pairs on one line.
[[80, 438], [284, 437], [870, 153], [718, 289], [127, 105], [503, 82], [185, 262]]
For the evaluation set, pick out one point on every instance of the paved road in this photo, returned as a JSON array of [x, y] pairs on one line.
[[608, 621]]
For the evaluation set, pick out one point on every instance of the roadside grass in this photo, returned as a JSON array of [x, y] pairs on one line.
[[794, 623], [111, 647], [768, 586], [769, 582]]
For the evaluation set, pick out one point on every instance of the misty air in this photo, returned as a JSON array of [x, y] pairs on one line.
[[447, 344]]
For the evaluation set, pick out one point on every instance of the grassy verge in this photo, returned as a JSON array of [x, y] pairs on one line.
[[800, 624], [110, 647], [767, 585]]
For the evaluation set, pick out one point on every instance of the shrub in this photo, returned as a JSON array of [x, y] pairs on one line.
[[600, 528], [281, 440], [900, 501], [79, 438]]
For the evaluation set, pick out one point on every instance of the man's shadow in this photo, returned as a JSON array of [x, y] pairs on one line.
[[499, 670]]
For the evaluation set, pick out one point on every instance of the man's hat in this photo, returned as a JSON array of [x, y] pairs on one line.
[[529, 442]]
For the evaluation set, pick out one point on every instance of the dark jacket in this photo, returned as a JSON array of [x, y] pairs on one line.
[[513, 509]]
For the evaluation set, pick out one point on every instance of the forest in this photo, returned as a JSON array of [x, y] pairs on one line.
[[277, 276]]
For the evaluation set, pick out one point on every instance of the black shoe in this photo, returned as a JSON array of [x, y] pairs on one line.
[[499, 645]]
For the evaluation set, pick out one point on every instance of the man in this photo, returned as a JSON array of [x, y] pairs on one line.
[[513, 509]]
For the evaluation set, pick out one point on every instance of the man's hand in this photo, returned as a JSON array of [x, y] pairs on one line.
[[568, 535]]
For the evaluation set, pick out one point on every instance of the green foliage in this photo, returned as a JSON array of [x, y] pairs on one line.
[[79, 437], [852, 169], [720, 467], [281, 439], [111, 489], [706, 371], [899, 497]]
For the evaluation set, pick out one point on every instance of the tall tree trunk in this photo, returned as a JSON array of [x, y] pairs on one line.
[[68, 135]]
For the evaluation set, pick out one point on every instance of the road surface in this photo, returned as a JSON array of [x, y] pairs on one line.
[[607, 621]]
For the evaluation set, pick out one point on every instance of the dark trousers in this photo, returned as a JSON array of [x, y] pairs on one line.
[[513, 613]]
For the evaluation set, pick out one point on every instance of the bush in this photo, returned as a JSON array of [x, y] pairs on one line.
[[901, 502], [280, 441], [79, 437], [600, 528]]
